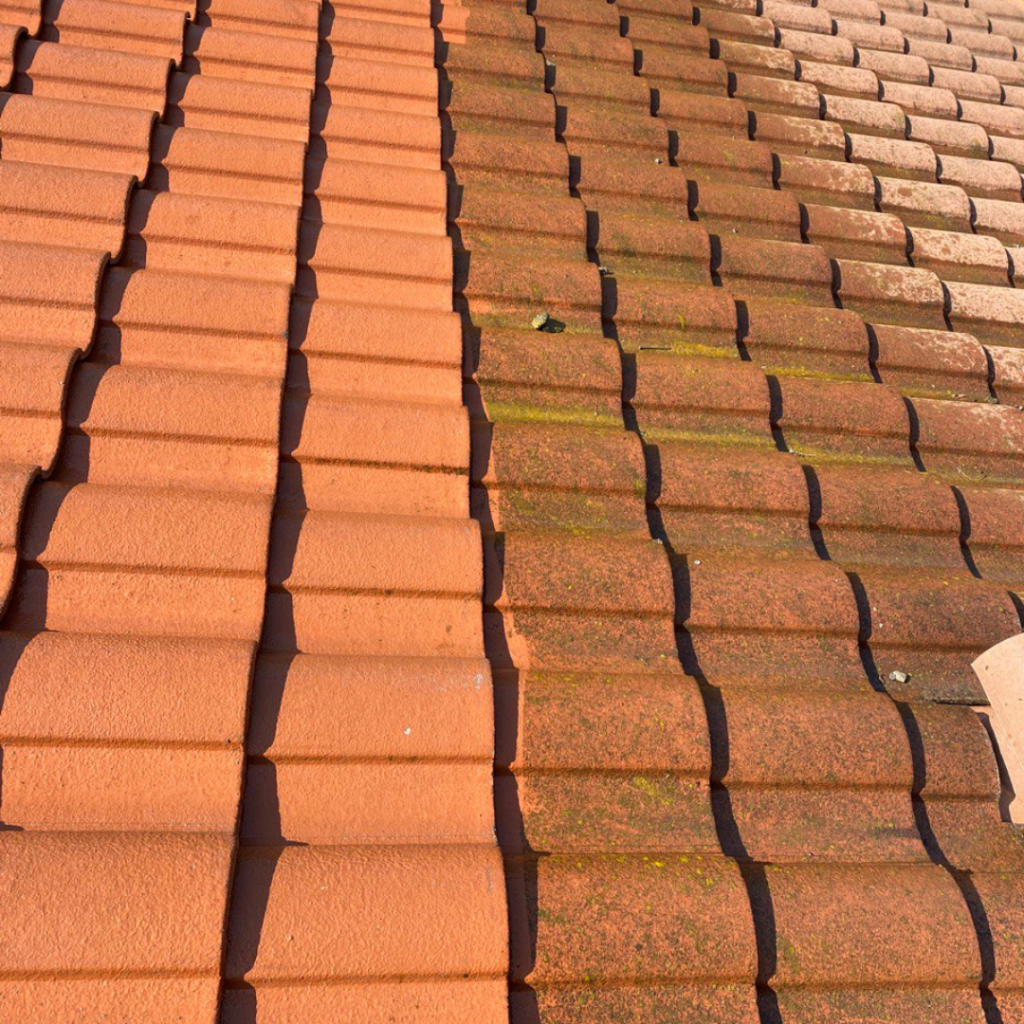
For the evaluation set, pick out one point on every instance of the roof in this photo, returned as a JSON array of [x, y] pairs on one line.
[[754, 496], [246, 714], [596, 642]]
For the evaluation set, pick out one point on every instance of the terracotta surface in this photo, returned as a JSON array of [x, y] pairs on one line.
[[731, 492], [244, 695], [499, 503], [1001, 671]]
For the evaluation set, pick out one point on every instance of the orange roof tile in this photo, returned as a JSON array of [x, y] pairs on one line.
[[239, 483], [499, 503]]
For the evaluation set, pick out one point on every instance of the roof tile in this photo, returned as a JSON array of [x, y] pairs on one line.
[[989, 313], [829, 49], [83, 73], [876, 37], [999, 218], [183, 872], [943, 55], [24, 14], [803, 338], [959, 256], [871, 117], [761, 212], [915, 26], [810, 900], [76, 135], [587, 894], [818, 417], [287, 19], [930, 100], [770, 95], [840, 81], [1008, 374], [911, 68], [856, 234], [971, 441], [896, 158], [931, 628], [800, 136], [930, 362], [208, 163], [717, 636], [753, 59], [888, 294], [862, 526], [221, 105], [788, 270], [128, 27], [462, 903]]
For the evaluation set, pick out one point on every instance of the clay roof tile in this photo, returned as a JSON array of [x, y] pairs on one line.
[[529, 487]]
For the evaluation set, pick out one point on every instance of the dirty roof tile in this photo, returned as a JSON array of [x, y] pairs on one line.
[[924, 204], [931, 100], [940, 54], [705, 316], [957, 256], [895, 158], [800, 136], [815, 46], [839, 80], [871, 117], [987, 178], [856, 234], [909, 68]]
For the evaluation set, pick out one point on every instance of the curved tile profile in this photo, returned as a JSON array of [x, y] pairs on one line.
[[778, 282], [143, 558], [499, 504]]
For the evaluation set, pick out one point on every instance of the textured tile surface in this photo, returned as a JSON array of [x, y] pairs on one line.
[[499, 502], [244, 695], [731, 492]]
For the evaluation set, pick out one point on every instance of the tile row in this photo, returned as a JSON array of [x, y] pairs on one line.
[[369, 884], [143, 556]]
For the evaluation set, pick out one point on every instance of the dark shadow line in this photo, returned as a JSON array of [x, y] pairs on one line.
[[814, 512], [964, 881], [520, 858], [965, 532], [915, 433]]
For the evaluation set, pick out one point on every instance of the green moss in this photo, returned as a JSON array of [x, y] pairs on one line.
[[725, 437], [807, 373], [525, 413], [658, 791]]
